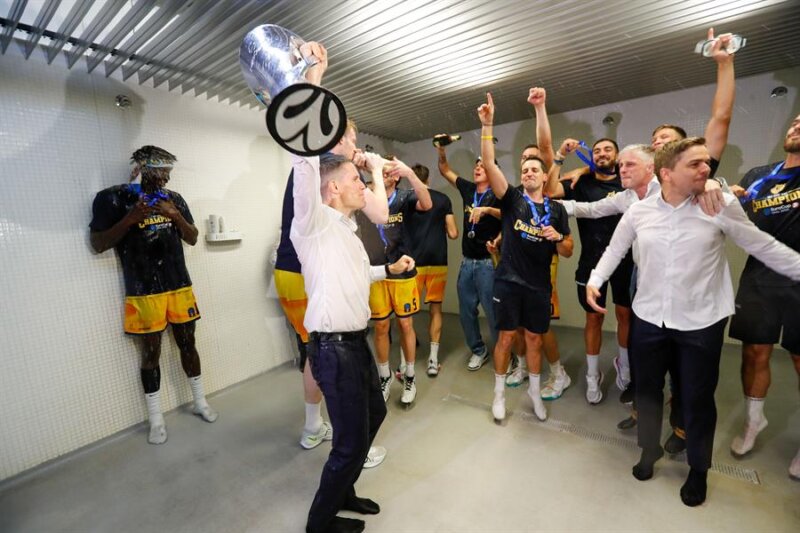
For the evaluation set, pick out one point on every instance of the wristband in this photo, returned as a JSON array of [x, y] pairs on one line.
[[558, 162], [386, 268]]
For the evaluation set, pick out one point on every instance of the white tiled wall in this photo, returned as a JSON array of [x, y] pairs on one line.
[[68, 375]]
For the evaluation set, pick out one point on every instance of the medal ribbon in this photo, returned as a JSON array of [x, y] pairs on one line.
[[755, 187], [476, 202]]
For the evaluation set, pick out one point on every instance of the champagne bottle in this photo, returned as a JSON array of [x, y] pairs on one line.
[[443, 139]]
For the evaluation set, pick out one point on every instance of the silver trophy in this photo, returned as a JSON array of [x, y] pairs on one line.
[[303, 118]]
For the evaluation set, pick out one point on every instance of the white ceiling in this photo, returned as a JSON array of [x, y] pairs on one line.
[[408, 69]]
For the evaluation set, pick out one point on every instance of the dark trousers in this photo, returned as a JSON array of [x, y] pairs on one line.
[[694, 357], [343, 366]]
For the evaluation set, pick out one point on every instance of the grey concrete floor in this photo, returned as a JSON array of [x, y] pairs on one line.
[[449, 467]]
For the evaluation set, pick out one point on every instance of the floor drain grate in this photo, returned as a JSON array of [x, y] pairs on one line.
[[732, 471]]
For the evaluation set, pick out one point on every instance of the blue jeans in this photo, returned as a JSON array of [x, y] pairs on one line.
[[475, 283]]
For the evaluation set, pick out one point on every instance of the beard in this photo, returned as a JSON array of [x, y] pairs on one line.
[[791, 147]]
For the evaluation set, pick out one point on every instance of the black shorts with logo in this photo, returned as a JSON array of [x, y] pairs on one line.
[[620, 282], [518, 306], [762, 312]]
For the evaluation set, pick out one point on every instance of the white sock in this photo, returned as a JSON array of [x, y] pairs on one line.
[[623, 358], [313, 417], [410, 370], [383, 370], [521, 361], [593, 361], [402, 357], [556, 369], [153, 401], [499, 384], [755, 408], [434, 352], [533, 384], [197, 392]]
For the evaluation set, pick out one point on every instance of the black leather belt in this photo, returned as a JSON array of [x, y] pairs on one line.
[[316, 336]]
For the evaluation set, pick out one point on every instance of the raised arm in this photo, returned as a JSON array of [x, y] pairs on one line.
[[444, 167], [398, 168], [309, 217], [722, 106], [497, 181], [377, 206], [554, 187], [544, 139]]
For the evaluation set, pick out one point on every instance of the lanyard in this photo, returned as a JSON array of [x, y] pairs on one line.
[[381, 232], [755, 187], [476, 202], [587, 158], [537, 220], [150, 199]]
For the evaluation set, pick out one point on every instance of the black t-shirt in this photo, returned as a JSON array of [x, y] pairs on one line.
[[595, 233], [486, 229], [775, 210], [427, 231], [526, 255], [151, 252], [392, 236], [286, 255]]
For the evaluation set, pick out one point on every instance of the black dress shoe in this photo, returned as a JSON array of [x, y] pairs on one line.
[[628, 423], [341, 525], [674, 444], [361, 506], [643, 470], [693, 492]]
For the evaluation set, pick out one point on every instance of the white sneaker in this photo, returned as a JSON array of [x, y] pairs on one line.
[[158, 434], [517, 376], [206, 413], [794, 467], [555, 386], [623, 375], [742, 444], [375, 456], [477, 361], [433, 368], [499, 407], [386, 385], [538, 406], [593, 393], [409, 391], [309, 441]]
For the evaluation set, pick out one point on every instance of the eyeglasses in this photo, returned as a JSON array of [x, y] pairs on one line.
[[736, 43]]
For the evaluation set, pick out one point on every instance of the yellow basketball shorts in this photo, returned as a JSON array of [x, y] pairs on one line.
[[432, 280], [292, 295], [400, 296], [151, 313], [555, 311]]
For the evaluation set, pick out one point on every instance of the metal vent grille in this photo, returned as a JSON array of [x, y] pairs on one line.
[[408, 69]]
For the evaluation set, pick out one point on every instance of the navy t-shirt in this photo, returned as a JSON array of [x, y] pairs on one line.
[[526, 255], [775, 210], [152, 251]]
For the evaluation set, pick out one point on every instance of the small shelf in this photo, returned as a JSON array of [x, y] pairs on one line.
[[228, 236]]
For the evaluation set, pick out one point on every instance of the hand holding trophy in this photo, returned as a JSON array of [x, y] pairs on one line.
[[284, 73]]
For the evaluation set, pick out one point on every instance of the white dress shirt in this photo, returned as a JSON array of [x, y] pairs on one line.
[[684, 282], [336, 269], [610, 205]]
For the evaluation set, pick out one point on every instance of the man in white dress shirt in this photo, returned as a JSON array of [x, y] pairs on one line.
[[683, 300], [337, 277]]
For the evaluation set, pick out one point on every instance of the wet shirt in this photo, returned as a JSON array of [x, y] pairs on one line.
[[286, 255], [775, 209], [427, 231], [526, 254], [596, 233], [394, 234], [151, 252], [486, 229]]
